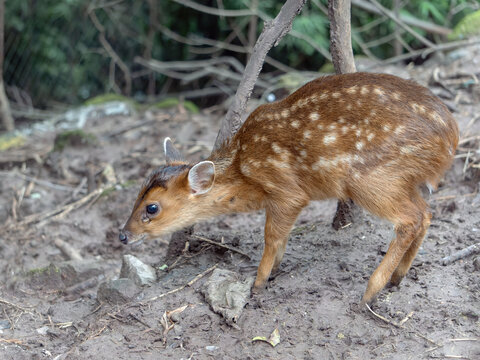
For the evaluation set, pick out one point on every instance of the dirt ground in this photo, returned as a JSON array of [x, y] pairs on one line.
[[312, 301]]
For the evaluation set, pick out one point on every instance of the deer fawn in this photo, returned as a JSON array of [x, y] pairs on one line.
[[373, 138]]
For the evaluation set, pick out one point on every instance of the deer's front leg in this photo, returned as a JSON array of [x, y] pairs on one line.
[[278, 224]]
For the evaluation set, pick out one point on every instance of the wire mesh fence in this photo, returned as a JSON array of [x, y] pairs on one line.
[[61, 53]]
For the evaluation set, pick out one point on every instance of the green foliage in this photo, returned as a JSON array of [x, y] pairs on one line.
[[105, 98], [53, 51], [468, 26], [171, 102], [73, 138]]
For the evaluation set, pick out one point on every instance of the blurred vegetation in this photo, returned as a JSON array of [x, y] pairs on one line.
[[53, 52]]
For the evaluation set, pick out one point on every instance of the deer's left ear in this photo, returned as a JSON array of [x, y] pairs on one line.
[[201, 177], [171, 153]]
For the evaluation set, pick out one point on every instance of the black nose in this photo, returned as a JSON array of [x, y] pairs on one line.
[[123, 237]]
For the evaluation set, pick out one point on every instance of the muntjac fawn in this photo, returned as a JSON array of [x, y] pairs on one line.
[[372, 138]]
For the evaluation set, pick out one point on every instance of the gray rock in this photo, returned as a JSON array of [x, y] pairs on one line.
[[119, 291], [476, 263], [227, 293], [134, 269]]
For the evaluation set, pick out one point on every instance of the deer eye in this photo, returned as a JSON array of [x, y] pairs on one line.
[[152, 209]]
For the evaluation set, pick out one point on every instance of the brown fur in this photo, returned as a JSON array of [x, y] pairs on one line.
[[373, 138]]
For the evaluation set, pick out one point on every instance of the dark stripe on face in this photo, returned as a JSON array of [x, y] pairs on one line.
[[160, 177]]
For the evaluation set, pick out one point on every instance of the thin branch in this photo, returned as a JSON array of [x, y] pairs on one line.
[[425, 52], [32, 219], [409, 20], [400, 23], [190, 283], [461, 254], [214, 11], [111, 52], [208, 241]]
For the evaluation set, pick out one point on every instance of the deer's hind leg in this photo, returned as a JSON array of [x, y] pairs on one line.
[[407, 211], [407, 259]]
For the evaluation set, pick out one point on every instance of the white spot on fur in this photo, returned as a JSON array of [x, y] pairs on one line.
[[407, 149], [276, 149], [278, 164], [324, 163], [330, 138], [435, 116], [295, 124], [379, 91], [399, 130], [245, 169], [301, 102], [352, 90]]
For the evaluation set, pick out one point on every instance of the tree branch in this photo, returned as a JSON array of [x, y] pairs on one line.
[[272, 33], [340, 38], [424, 25]]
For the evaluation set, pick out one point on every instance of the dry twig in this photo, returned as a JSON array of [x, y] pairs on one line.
[[190, 283], [60, 211], [201, 238], [461, 254], [69, 251]]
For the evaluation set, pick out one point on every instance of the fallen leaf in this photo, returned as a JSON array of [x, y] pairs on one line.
[[273, 340]]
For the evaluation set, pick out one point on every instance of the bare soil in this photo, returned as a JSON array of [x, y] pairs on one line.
[[312, 301]]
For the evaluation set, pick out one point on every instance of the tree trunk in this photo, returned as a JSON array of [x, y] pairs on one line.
[[343, 62], [5, 113]]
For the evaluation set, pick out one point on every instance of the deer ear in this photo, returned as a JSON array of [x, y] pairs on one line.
[[201, 177], [171, 153]]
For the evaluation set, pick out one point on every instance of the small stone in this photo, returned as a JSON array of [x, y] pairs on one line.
[[119, 291], [476, 263], [177, 330], [43, 330], [137, 271], [4, 324], [211, 348]]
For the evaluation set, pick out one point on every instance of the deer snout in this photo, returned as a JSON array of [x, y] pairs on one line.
[[123, 237]]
